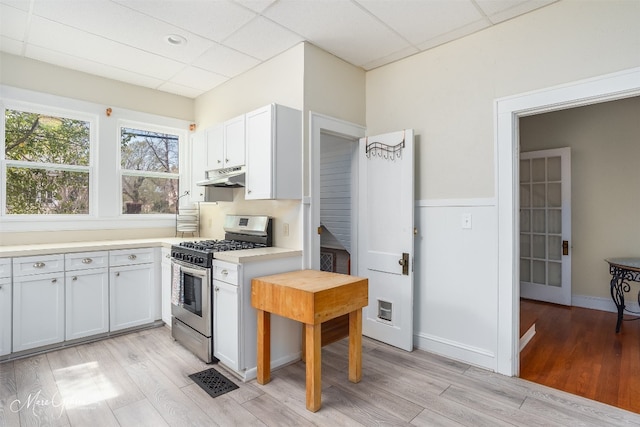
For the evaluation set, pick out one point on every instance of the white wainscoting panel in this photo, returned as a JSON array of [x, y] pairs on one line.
[[456, 283]]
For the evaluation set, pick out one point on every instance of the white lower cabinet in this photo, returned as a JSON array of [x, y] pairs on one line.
[[133, 295], [86, 294], [38, 310], [5, 316], [87, 303], [226, 339]]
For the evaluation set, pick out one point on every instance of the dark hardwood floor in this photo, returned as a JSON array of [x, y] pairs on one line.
[[578, 351]]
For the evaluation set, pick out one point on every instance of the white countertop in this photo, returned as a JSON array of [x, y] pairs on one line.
[[241, 256], [259, 254]]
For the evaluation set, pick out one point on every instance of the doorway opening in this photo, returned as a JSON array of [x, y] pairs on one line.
[[508, 111], [331, 209]]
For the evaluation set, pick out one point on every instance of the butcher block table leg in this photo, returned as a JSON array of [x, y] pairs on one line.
[[355, 346], [313, 363], [264, 347]]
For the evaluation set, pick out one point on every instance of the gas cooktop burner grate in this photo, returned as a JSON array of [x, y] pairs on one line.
[[220, 245]]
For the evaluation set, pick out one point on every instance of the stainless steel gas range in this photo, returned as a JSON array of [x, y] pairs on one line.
[[192, 294]]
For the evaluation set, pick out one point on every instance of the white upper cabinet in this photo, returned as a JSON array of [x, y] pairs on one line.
[[274, 153], [225, 144]]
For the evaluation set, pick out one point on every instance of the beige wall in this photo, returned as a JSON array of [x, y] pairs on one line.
[[447, 94], [41, 77], [605, 149]]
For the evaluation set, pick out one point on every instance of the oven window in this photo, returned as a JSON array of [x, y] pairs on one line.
[[192, 293]]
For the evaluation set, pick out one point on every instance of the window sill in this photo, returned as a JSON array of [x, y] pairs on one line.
[[71, 223]]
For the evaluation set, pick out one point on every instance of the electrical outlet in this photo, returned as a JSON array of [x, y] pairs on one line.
[[285, 229]]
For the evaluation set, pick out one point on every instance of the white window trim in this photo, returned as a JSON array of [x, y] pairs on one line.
[[105, 200]]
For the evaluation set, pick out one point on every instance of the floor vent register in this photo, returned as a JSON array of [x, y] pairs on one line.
[[213, 382]]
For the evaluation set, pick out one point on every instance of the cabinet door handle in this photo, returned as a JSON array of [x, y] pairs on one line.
[[74, 278], [248, 191], [39, 265], [224, 272], [54, 280], [118, 274], [217, 289], [132, 256], [167, 256], [87, 261]]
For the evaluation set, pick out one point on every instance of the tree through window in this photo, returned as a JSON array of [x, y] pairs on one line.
[[149, 162], [47, 163]]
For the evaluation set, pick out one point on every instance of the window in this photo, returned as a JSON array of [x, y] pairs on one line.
[[150, 172], [47, 163]]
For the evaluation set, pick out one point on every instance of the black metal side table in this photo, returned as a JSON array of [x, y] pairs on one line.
[[623, 271]]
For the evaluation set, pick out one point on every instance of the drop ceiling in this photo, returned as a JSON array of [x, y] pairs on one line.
[[126, 40]]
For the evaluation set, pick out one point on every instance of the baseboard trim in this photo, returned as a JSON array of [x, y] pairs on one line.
[[604, 304], [454, 350], [524, 339]]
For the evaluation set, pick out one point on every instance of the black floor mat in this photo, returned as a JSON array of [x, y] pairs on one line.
[[213, 382]]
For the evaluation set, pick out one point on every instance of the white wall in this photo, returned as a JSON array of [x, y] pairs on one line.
[[447, 95]]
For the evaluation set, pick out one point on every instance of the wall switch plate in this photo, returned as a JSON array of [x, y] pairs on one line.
[[466, 221], [285, 229]]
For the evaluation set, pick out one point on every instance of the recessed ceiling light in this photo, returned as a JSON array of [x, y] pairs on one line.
[[175, 39]]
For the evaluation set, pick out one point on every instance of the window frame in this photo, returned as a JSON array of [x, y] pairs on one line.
[[105, 197]]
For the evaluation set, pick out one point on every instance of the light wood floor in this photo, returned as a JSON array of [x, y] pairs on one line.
[[577, 350], [140, 379]]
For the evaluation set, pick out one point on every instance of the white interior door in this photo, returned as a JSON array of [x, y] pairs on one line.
[[545, 225], [385, 235]]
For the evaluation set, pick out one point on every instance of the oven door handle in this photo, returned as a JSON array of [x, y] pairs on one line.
[[196, 271]]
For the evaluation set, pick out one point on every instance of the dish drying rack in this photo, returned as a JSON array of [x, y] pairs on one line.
[[188, 219]]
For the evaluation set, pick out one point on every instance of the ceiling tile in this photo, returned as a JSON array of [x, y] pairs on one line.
[[179, 90], [419, 20], [214, 20], [339, 27], [262, 39], [13, 22], [257, 6], [70, 41], [502, 10], [225, 61], [18, 4], [123, 25], [198, 78]]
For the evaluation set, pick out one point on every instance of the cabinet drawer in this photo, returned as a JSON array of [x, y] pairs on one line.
[[5, 267], [25, 266], [84, 260], [131, 256], [225, 272]]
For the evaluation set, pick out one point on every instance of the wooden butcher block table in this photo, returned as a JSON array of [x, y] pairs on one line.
[[311, 297]]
